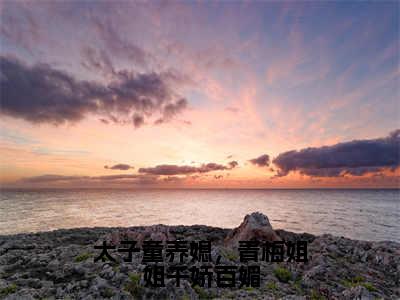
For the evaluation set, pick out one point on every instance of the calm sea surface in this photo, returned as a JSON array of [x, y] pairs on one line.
[[358, 214]]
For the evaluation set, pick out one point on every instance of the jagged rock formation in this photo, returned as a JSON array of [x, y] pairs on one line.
[[255, 226], [60, 265], [154, 232]]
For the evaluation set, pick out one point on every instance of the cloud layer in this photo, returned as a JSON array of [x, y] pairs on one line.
[[42, 94], [261, 161], [122, 167], [355, 158], [185, 170], [135, 179]]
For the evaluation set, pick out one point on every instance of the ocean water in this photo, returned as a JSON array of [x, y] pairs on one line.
[[358, 214]]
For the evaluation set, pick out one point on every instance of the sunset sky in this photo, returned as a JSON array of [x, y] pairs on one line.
[[221, 95]]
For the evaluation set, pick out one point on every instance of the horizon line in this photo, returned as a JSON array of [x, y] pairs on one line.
[[190, 188]]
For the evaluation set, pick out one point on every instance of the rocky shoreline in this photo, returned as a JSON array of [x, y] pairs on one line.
[[60, 265]]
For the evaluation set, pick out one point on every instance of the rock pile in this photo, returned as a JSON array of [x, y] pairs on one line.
[[60, 265]]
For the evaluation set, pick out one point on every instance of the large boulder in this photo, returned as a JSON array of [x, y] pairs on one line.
[[255, 226]]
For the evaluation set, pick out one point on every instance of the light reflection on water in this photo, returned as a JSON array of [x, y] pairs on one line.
[[359, 214]]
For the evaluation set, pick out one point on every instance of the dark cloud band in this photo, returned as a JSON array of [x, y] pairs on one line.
[[122, 167], [355, 158], [261, 161], [42, 94], [184, 170]]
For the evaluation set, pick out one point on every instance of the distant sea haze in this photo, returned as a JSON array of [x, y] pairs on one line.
[[357, 214]]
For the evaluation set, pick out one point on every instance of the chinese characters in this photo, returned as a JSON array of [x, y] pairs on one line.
[[204, 268]]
